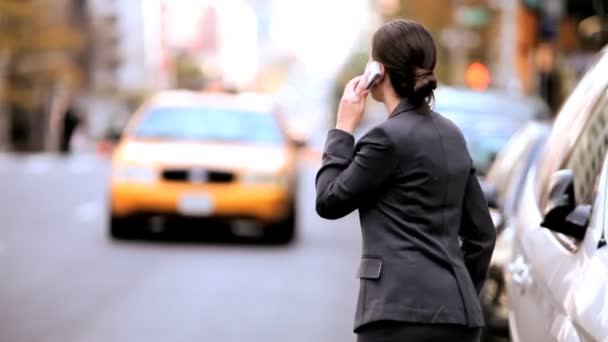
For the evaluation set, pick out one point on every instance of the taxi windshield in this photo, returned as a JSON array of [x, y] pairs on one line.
[[209, 124]]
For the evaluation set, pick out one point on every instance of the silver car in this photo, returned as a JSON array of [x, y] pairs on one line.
[[557, 275], [503, 186]]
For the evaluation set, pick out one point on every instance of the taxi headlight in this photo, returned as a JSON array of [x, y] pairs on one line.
[[139, 174], [258, 178]]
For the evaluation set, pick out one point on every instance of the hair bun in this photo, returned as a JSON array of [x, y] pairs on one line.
[[425, 83]]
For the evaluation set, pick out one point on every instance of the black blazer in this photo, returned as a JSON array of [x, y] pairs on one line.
[[412, 180]]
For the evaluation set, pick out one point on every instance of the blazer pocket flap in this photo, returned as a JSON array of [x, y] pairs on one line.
[[369, 268]]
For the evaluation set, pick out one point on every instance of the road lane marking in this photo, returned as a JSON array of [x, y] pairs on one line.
[[88, 211]]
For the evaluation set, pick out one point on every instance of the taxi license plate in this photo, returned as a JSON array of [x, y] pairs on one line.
[[195, 205]]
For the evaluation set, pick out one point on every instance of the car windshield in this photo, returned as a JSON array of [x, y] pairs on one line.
[[209, 124]]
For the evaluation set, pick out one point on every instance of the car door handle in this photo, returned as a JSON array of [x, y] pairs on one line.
[[520, 271]]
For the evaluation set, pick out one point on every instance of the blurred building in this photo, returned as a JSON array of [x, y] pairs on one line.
[[467, 32], [556, 42], [531, 46], [459, 28], [43, 62], [130, 58], [97, 58], [128, 44]]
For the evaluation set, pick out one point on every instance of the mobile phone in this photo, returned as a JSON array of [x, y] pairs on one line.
[[373, 71]]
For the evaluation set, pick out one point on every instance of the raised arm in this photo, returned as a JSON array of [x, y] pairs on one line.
[[346, 177]]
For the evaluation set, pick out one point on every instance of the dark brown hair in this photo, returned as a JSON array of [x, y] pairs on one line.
[[408, 53]]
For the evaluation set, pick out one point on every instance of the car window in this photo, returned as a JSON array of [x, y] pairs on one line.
[[586, 159], [208, 124], [589, 151], [567, 128]]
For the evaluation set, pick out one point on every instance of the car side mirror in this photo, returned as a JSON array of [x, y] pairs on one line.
[[490, 193], [562, 215]]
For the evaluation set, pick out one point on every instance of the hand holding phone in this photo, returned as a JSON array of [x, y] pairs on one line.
[[352, 104], [373, 71]]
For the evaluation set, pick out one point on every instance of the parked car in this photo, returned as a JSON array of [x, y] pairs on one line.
[[204, 156], [557, 276], [487, 119], [502, 186]]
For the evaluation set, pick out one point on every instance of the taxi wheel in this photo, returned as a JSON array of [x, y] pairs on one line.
[[123, 228], [282, 232]]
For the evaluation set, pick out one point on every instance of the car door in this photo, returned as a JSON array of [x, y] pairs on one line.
[[577, 287], [581, 286], [547, 265], [536, 276], [528, 318]]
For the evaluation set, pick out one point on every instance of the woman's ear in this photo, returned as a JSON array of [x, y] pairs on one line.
[[382, 73]]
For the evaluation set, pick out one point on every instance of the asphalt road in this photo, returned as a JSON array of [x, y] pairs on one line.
[[62, 279]]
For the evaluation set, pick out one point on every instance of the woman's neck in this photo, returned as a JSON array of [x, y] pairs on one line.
[[391, 102]]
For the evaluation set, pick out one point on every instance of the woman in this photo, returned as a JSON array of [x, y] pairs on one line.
[[427, 233]]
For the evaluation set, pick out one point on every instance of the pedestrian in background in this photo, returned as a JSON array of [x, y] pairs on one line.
[[427, 233], [70, 123]]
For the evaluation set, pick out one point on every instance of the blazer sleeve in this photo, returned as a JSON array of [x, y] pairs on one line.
[[346, 177], [477, 232]]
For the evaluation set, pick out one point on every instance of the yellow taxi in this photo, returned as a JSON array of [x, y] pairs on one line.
[[207, 156]]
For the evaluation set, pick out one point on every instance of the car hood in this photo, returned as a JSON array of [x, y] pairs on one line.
[[225, 156]]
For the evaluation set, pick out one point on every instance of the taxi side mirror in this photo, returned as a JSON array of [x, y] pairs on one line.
[[106, 146], [298, 143]]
